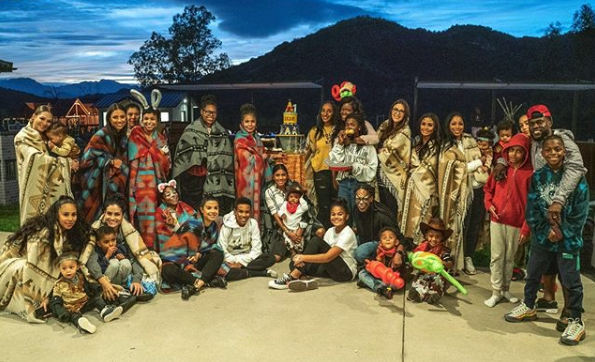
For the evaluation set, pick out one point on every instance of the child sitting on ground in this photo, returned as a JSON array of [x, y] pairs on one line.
[[114, 259], [505, 131], [60, 143], [72, 296], [290, 215], [390, 253], [555, 238], [431, 287]]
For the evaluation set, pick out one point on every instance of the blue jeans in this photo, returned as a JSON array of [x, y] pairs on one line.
[[369, 280], [569, 269], [347, 188], [365, 251]]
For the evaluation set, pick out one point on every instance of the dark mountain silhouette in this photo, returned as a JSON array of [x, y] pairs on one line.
[[77, 90], [383, 59]]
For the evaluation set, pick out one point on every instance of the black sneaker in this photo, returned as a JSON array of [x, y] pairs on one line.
[[188, 291], [386, 292], [414, 295], [543, 305], [433, 298], [109, 313], [217, 282]]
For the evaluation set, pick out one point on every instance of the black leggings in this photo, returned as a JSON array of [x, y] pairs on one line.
[[256, 268], [209, 264], [191, 188], [325, 193], [335, 269]]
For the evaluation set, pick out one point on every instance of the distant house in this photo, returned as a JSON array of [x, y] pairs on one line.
[[85, 116], [174, 106]]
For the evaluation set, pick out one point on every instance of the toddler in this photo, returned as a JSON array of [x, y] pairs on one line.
[[390, 253], [290, 213], [113, 258], [485, 142], [72, 296], [505, 130], [60, 143], [431, 287]]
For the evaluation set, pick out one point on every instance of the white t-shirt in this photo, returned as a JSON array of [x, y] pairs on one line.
[[347, 241], [294, 221]]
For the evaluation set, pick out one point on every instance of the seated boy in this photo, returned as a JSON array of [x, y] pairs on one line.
[[431, 287], [72, 296]]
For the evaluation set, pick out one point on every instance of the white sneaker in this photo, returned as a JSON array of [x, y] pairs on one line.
[[509, 297], [86, 326], [272, 273], [469, 268], [492, 301], [302, 285], [281, 283]]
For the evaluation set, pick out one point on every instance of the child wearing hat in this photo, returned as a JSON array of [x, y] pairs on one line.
[[72, 296], [290, 213], [431, 287]]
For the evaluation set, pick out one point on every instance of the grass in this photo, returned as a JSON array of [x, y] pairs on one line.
[[9, 217]]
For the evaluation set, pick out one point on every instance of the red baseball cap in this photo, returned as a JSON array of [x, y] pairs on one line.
[[540, 109]]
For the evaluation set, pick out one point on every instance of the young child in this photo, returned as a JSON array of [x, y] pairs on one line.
[[390, 253], [505, 201], [505, 131], [114, 258], [485, 142], [362, 158], [60, 143], [555, 239], [431, 287], [72, 296], [290, 213]]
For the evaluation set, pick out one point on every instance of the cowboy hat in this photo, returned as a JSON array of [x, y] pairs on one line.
[[437, 224]]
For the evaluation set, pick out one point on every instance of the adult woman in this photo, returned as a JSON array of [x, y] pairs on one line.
[[251, 163], [274, 196], [370, 217], [192, 247], [328, 257], [42, 178], [203, 161], [394, 156], [114, 209], [350, 105], [104, 165], [149, 159], [420, 200], [28, 270], [318, 147], [460, 160]]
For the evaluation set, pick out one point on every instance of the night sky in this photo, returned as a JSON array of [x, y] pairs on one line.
[[76, 40]]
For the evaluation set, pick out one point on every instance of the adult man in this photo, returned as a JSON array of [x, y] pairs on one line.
[[203, 162]]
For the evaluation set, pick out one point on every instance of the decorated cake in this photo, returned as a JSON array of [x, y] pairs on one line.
[[289, 136]]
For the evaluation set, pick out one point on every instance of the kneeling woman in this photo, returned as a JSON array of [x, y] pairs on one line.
[[331, 257], [191, 247]]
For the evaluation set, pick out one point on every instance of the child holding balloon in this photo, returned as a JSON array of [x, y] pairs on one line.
[[430, 287], [390, 253]]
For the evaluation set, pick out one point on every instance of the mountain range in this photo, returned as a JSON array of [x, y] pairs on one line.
[[66, 91]]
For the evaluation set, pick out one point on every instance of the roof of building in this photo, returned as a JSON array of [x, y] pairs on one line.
[[169, 99], [236, 86]]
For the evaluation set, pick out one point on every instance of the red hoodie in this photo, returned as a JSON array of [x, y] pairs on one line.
[[509, 195]]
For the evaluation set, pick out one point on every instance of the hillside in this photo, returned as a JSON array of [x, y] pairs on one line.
[[77, 90], [383, 58]]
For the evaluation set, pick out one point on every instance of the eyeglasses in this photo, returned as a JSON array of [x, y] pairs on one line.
[[398, 110], [361, 199], [210, 113]]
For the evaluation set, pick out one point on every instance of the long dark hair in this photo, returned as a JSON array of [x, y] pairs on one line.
[[118, 200], [424, 148], [449, 138], [76, 238], [393, 127], [319, 124], [122, 133]]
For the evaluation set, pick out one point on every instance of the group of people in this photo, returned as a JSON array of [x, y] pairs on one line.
[[213, 211]]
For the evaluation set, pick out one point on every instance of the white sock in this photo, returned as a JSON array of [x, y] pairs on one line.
[[493, 300], [509, 297]]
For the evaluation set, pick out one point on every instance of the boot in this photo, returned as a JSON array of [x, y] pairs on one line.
[[188, 291]]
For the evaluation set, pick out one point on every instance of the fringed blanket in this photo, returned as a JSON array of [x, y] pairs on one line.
[[420, 200], [148, 259], [181, 214], [100, 178], [198, 147], [27, 277], [453, 195], [251, 169], [394, 158], [149, 165], [42, 178]]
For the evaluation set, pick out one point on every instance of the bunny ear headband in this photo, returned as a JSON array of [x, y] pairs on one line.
[[155, 98], [170, 183]]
